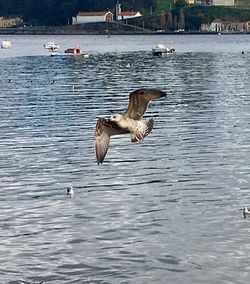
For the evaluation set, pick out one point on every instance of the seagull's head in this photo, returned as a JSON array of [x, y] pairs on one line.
[[116, 117]]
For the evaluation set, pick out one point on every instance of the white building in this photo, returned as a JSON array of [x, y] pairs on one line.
[[123, 15], [216, 26], [223, 2], [215, 2], [90, 17]]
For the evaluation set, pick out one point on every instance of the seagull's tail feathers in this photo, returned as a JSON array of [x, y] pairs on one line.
[[138, 136]]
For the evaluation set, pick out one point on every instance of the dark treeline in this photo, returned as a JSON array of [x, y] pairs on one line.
[[59, 12]]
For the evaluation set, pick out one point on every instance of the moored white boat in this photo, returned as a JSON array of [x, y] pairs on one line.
[[51, 46], [161, 49], [6, 44]]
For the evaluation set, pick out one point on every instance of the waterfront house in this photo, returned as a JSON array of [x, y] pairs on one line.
[[220, 26], [10, 22], [216, 26], [90, 17]]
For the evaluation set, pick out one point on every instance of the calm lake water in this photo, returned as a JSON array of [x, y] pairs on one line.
[[166, 210]]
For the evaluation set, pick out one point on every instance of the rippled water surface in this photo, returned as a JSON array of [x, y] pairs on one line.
[[162, 211]]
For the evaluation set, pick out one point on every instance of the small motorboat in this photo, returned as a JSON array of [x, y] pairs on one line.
[[76, 51], [51, 46], [161, 49], [6, 44]]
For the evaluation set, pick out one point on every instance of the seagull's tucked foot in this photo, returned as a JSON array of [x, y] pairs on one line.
[[134, 138]]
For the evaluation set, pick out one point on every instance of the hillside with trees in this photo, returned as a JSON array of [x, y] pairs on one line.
[[59, 12], [196, 15], [190, 18], [158, 14]]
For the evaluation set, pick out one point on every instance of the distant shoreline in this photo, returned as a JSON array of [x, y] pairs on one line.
[[68, 30]]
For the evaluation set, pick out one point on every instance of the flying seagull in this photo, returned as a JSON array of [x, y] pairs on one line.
[[130, 122]]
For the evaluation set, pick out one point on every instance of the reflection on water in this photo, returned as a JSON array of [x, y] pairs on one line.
[[166, 209]]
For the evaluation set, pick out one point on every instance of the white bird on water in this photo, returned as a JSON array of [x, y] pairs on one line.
[[70, 191], [130, 122], [246, 212]]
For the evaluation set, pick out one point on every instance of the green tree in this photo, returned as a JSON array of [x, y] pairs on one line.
[[180, 4], [175, 23], [181, 20], [169, 22], [164, 5]]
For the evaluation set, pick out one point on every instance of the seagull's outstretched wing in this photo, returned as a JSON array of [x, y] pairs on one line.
[[104, 130], [139, 100]]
